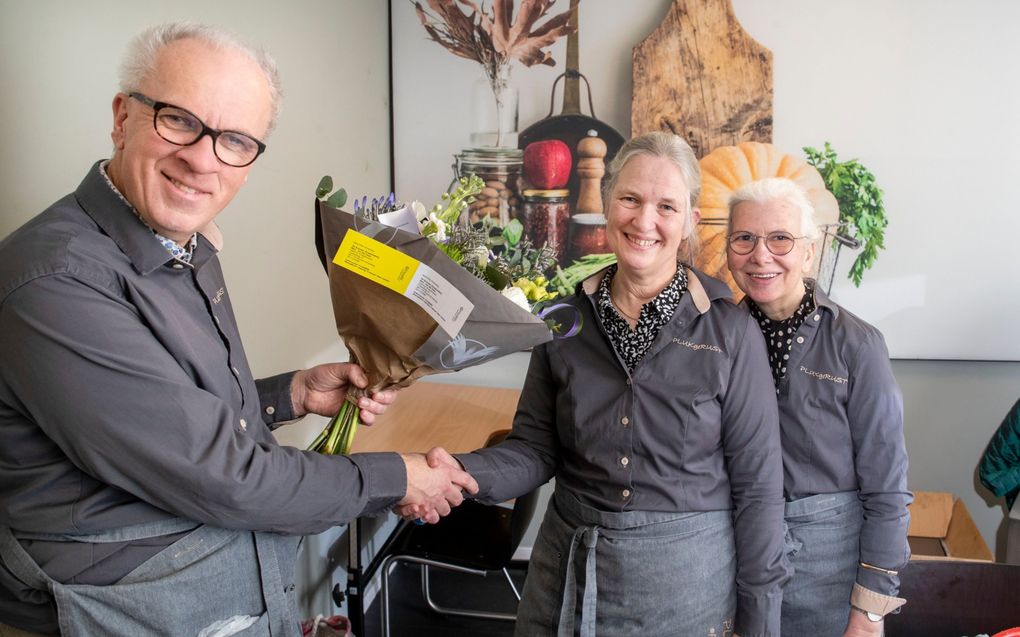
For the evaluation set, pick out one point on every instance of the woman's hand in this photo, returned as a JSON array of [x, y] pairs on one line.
[[323, 388], [860, 626]]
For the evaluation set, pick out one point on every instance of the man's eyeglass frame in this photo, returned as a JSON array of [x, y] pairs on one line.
[[206, 130]]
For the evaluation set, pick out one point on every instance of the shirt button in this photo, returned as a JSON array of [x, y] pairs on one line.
[[244, 425], [177, 266], [217, 319], [818, 317], [626, 493], [270, 410], [625, 461], [625, 421], [236, 373], [800, 339]]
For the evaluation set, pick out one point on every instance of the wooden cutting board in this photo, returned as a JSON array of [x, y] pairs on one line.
[[701, 76]]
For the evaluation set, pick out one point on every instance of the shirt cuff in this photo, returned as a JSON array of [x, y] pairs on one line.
[[275, 400], [880, 580], [385, 480], [872, 602], [758, 615]]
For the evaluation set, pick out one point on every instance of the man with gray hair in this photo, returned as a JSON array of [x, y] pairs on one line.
[[141, 489]]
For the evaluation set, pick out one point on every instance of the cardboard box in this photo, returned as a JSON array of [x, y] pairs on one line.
[[941, 528]]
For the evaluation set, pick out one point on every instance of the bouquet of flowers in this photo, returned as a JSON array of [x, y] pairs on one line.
[[415, 292]]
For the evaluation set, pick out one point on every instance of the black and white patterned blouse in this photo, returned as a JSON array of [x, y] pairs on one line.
[[631, 344], [779, 334]]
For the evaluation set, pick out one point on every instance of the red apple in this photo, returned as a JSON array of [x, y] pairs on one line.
[[547, 164]]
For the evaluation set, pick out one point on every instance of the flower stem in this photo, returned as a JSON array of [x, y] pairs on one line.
[[338, 436]]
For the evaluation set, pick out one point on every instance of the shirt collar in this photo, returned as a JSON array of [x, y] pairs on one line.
[[115, 216], [178, 252], [701, 296]]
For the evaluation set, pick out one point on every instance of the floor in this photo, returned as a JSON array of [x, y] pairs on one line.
[[409, 614]]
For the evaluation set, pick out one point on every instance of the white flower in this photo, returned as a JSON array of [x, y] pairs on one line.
[[440, 234], [418, 208], [517, 295]]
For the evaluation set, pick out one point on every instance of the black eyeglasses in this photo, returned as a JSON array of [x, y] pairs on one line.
[[183, 128], [778, 243]]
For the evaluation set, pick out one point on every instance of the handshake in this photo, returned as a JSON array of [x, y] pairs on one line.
[[436, 483]]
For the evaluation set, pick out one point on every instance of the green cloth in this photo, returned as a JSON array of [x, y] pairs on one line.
[[1000, 465]]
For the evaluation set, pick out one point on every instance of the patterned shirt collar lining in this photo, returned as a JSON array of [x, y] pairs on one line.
[[779, 334], [632, 344], [178, 253]]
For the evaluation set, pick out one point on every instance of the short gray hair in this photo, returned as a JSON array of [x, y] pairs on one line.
[[675, 149], [140, 59], [764, 191]]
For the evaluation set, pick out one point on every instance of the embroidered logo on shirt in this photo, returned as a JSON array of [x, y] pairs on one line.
[[697, 346], [219, 295], [839, 380]]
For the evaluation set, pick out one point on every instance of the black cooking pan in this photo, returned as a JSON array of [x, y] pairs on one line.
[[571, 125]]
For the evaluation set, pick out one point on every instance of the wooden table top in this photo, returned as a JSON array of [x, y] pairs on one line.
[[425, 415]]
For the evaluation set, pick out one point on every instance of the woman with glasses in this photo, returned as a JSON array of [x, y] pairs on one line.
[[841, 417], [658, 421]]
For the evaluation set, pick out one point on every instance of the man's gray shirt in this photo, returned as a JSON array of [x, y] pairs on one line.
[[126, 396]]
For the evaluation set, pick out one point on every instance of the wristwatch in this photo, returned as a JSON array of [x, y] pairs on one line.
[[872, 617]]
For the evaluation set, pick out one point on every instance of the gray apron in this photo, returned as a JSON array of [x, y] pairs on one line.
[[210, 578], [635, 573]]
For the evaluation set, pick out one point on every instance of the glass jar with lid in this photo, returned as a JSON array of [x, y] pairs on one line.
[[546, 218], [500, 169]]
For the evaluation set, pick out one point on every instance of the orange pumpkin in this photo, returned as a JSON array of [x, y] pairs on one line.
[[729, 167]]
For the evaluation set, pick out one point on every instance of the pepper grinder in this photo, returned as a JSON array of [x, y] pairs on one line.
[[591, 166]]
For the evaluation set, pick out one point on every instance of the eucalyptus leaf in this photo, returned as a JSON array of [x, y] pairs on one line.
[[337, 199], [325, 185]]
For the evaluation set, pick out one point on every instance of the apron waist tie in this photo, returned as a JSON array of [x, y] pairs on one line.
[[589, 536]]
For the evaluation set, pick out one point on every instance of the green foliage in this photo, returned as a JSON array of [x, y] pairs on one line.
[[566, 279], [325, 185], [860, 204], [512, 232], [454, 203], [336, 200]]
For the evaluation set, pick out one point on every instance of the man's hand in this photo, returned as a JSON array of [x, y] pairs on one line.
[[860, 626], [322, 389], [433, 491], [436, 457]]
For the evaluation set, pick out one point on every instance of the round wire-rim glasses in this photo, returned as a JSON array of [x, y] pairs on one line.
[[181, 127], [778, 243]]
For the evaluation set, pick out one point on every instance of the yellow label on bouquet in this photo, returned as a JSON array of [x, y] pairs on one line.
[[405, 275]]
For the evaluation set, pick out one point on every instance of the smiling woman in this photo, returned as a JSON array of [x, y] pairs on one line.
[[840, 410], [608, 413]]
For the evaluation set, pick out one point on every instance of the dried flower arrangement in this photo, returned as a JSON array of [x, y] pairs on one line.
[[495, 37]]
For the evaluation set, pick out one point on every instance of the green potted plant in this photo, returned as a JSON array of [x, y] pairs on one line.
[[860, 204]]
